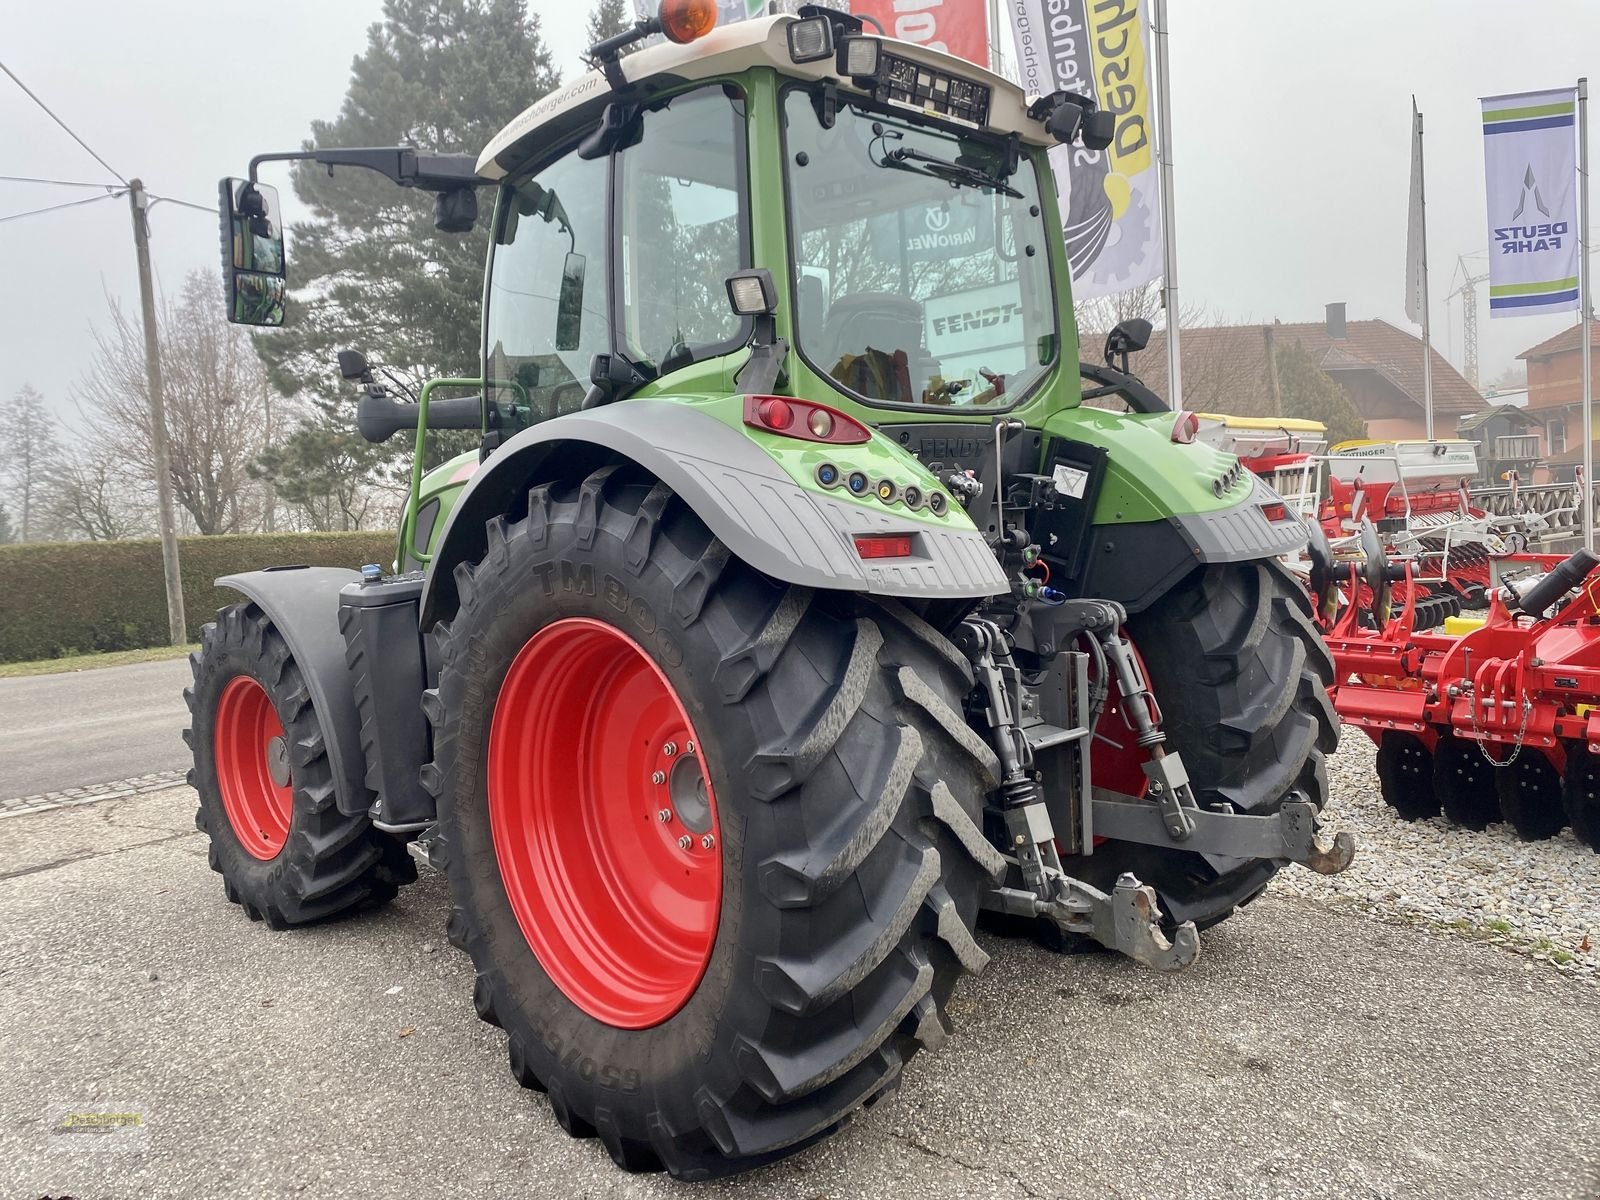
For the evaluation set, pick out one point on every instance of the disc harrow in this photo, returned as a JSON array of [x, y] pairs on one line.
[[1496, 723]]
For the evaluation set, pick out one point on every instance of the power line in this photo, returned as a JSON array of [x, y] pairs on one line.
[[61, 123], [55, 182], [34, 212], [205, 208]]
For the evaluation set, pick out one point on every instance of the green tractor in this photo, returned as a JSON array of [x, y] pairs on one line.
[[793, 611]]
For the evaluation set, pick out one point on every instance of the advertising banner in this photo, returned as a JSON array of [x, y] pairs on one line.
[[959, 27], [1099, 48], [1531, 173]]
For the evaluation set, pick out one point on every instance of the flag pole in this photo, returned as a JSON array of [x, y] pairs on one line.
[[1583, 308], [1169, 283], [1427, 335]]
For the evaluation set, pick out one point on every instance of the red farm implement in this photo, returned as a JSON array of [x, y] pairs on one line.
[[1500, 722]]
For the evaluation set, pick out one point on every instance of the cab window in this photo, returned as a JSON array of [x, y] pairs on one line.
[[682, 230], [547, 298]]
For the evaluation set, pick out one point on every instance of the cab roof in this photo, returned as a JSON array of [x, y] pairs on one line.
[[730, 50]]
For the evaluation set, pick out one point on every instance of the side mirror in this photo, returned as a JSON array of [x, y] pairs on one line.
[[353, 365], [255, 273], [1129, 337], [1099, 129], [455, 211], [569, 303]]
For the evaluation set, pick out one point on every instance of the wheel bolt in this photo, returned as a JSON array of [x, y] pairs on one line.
[[658, 777], [708, 841], [665, 815], [670, 749], [685, 842], [688, 747]]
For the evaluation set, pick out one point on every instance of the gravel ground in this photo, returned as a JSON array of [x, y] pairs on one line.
[[1539, 898]]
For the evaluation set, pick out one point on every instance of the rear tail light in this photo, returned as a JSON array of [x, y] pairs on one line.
[[1185, 428], [804, 420], [1275, 512], [884, 545]]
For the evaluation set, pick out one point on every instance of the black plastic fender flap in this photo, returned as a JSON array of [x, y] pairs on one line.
[[303, 604], [383, 649]]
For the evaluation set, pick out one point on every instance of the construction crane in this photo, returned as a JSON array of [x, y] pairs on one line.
[[1468, 291]]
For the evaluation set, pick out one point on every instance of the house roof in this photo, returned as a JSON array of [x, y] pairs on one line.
[[1568, 339], [1510, 411], [1572, 455], [1225, 366]]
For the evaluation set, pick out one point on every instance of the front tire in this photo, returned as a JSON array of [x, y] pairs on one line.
[[285, 852], [822, 930]]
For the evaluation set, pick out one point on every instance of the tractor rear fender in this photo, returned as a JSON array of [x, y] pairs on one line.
[[303, 603], [748, 501]]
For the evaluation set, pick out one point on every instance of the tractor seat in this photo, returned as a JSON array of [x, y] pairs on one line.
[[888, 324]]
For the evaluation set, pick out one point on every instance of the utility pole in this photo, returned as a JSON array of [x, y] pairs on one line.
[[177, 628]]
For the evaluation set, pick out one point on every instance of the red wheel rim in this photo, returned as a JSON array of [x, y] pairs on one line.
[[605, 823], [253, 768]]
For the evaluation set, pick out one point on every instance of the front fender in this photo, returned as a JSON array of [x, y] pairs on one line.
[[746, 498], [303, 604]]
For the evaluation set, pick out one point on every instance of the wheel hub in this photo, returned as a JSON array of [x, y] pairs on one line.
[[252, 763], [605, 823]]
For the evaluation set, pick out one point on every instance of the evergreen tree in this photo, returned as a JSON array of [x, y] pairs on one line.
[[369, 269], [32, 449], [609, 18], [1309, 394]]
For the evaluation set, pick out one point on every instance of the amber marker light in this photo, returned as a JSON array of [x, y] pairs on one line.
[[687, 20]]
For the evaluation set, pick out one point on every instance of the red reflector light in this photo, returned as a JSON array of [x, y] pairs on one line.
[[1275, 512], [776, 415], [804, 420], [884, 545]]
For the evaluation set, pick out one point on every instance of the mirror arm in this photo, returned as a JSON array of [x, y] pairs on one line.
[[400, 164], [1139, 398]]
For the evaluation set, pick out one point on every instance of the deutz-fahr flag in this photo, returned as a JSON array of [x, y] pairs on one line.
[[1530, 160], [1099, 48]]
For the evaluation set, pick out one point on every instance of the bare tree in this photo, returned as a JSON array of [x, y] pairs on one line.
[[219, 405], [92, 497], [32, 448]]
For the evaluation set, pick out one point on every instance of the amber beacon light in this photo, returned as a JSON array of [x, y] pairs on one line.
[[687, 20]]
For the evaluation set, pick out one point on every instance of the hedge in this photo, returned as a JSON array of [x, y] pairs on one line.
[[60, 598]]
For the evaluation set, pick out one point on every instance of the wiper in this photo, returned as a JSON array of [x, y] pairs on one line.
[[959, 174], [955, 173]]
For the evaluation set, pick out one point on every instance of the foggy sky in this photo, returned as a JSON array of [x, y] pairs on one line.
[[1291, 125]]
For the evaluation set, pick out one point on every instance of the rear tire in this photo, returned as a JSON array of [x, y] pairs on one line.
[[1240, 673], [285, 852], [847, 790]]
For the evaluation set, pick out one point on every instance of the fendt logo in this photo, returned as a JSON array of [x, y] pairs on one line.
[[1530, 239], [990, 317]]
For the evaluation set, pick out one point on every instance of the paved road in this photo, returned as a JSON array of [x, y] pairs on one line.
[[1309, 1053], [86, 727]]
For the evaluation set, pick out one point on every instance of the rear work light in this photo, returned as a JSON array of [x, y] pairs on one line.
[[883, 545], [804, 420]]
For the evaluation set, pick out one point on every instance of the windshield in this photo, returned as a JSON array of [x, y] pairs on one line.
[[922, 269]]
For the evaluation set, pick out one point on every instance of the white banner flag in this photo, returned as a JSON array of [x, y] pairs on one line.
[[1416, 230], [1112, 197], [1530, 161]]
